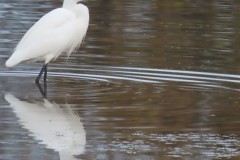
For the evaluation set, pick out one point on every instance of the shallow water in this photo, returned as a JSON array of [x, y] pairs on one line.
[[153, 80]]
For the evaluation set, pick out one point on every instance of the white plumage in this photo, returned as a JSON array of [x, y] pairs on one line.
[[57, 127], [61, 30]]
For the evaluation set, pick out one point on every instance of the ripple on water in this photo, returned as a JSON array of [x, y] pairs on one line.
[[110, 74], [180, 145]]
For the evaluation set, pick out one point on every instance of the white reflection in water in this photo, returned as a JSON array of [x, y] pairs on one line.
[[57, 127]]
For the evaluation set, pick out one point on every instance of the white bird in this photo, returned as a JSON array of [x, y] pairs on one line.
[[61, 30], [57, 127]]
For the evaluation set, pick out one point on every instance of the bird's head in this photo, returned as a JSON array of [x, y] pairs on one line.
[[77, 7], [79, 1], [67, 3]]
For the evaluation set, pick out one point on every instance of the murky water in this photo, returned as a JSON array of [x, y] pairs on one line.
[[153, 80]]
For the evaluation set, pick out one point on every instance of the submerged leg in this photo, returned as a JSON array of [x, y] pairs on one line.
[[43, 91], [44, 69]]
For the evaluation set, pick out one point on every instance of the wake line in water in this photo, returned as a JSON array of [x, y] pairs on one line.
[[153, 70], [95, 77], [170, 77], [31, 74], [182, 72], [145, 75], [128, 77]]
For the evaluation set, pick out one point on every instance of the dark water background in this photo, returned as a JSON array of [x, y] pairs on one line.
[[154, 79]]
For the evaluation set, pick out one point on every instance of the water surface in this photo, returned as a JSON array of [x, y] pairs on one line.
[[153, 80]]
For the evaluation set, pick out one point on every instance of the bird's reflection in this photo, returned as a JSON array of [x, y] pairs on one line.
[[43, 90], [57, 127]]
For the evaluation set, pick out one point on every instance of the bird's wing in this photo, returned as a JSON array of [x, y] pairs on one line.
[[47, 23]]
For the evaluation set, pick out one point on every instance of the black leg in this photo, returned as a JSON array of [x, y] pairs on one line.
[[44, 68], [43, 91], [45, 73]]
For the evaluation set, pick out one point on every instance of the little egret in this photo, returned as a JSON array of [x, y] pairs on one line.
[[61, 30]]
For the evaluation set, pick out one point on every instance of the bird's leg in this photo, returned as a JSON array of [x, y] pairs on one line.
[[45, 73], [45, 89], [42, 91], [41, 72]]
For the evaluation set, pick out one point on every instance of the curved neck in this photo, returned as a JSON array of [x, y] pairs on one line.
[[68, 3]]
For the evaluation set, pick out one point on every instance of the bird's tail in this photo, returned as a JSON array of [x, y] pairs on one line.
[[13, 60]]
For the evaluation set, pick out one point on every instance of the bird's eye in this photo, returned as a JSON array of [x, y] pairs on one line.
[[79, 2]]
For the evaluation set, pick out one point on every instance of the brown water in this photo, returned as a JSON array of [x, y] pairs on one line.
[[153, 80]]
